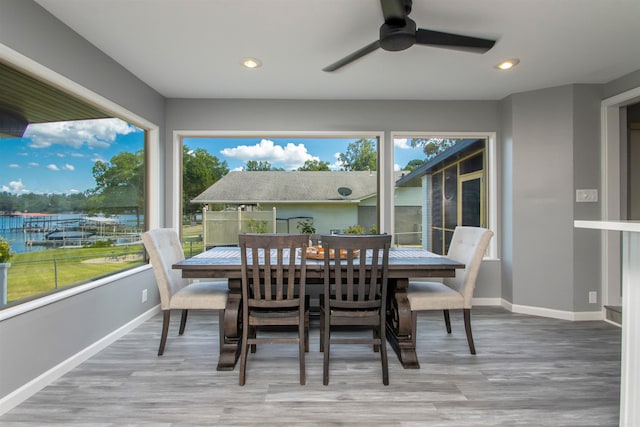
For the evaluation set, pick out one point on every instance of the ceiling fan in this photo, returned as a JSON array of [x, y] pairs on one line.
[[399, 33]]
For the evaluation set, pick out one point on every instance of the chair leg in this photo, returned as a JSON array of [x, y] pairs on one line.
[[254, 334], [326, 348], [166, 315], [321, 330], [376, 335], [383, 354], [447, 320], [243, 354], [467, 328], [183, 321], [306, 332], [302, 342]]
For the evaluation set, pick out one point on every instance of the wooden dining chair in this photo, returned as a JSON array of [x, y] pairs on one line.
[[355, 292], [273, 292], [176, 293], [468, 246]]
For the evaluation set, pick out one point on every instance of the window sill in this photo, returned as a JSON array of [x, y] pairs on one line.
[[58, 296]]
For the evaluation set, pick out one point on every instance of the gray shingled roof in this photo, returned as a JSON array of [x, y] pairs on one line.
[[240, 187]]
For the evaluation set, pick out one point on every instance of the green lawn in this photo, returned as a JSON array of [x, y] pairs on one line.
[[37, 272], [34, 273]]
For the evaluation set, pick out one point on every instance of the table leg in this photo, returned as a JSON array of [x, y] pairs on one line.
[[399, 324], [230, 348]]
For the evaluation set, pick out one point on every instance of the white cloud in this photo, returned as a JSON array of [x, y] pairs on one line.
[[15, 187], [396, 167], [402, 143], [74, 191], [68, 167], [53, 167], [14, 166], [291, 156], [94, 133], [338, 164], [33, 164], [77, 155]]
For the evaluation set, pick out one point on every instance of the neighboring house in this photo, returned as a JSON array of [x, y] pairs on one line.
[[453, 189], [333, 201]]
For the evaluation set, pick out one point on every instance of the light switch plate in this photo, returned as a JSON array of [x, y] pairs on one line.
[[587, 195]]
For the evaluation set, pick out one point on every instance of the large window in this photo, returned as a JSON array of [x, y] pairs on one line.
[[270, 183], [447, 178], [72, 199]]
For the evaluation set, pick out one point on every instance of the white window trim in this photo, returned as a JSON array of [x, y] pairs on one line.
[[17, 60]]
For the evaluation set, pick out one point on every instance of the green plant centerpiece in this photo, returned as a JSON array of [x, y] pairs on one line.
[[306, 227], [5, 251], [354, 229]]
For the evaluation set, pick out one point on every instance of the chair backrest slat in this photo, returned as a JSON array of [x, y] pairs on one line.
[[356, 267], [277, 265]]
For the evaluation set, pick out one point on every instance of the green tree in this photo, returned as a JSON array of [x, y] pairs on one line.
[[433, 146], [314, 165], [260, 166], [361, 155], [200, 170], [119, 184], [414, 164]]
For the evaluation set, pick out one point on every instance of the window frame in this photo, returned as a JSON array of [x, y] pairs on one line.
[[152, 169], [179, 135], [491, 166]]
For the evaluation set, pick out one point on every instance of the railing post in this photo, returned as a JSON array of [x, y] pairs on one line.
[[55, 271], [204, 225]]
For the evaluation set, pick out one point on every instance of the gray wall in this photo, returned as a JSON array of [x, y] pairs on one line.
[[34, 342], [551, 147], [586, 175]]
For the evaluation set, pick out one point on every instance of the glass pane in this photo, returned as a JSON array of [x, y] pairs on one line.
[[73, 203], [451, 197], [266, 184], [436, 241], [471, 203], [471, 164], [436, 200]]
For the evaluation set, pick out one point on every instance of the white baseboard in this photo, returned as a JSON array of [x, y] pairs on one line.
[[21, 394], [553, 314]]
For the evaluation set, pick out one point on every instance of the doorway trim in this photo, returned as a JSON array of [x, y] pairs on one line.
[[613, 132]]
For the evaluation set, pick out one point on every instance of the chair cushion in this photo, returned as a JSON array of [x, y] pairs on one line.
[[201, 295], [433, 296]]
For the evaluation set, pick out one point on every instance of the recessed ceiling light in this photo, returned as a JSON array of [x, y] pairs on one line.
[[251, 62], [508, 64]]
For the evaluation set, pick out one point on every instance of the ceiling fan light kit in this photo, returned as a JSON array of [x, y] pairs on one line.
[[399, 32]]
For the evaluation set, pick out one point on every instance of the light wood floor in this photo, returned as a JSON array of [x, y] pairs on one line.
[[529, 371]]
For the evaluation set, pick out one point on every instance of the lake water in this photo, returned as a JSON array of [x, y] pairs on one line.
[[19, 230]]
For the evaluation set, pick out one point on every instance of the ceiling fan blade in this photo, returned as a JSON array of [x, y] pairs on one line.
[[453, 41], [352, 57]]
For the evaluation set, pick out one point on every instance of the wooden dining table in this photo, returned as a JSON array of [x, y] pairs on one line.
[[404, 264]]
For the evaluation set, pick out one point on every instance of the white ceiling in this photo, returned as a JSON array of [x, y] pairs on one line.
[[193, 48]]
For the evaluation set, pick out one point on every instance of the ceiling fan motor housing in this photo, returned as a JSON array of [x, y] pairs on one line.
[[395, 37]]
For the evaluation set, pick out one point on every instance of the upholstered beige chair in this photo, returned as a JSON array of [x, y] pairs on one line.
[[176, 293], [468, 246]]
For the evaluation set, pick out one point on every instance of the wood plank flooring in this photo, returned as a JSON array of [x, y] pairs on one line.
[[529, 371]]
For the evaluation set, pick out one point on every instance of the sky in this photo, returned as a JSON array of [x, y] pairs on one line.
[[59, 157]]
